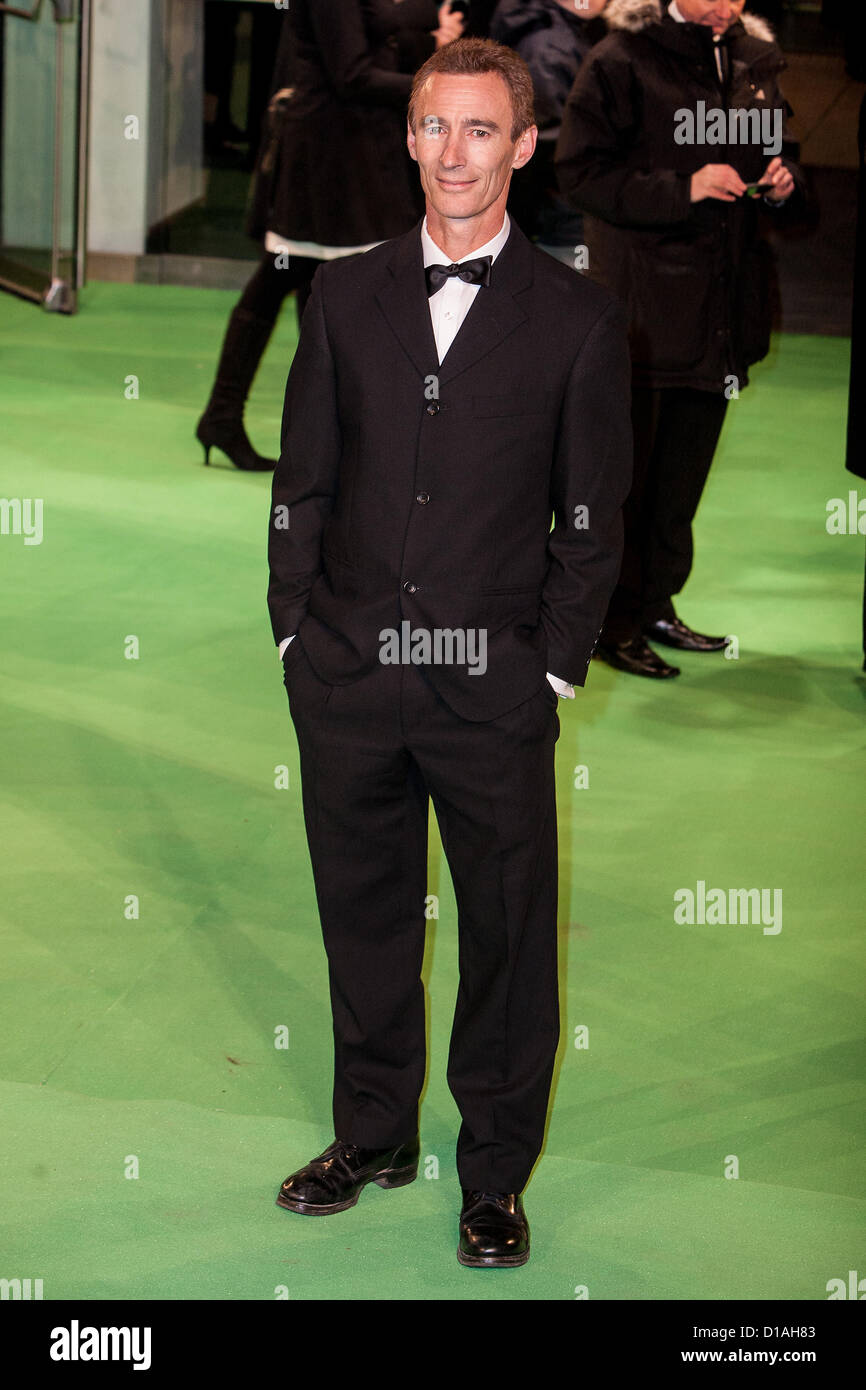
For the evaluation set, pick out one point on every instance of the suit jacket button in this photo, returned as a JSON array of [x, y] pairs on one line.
[[423, 498], [409, 586], [433, 408]]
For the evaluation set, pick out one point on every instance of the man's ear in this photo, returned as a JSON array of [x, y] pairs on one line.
[[525, 147], [410, 141]]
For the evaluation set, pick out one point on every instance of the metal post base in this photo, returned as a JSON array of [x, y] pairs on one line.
[[60, 298]]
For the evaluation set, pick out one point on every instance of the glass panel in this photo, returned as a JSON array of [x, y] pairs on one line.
[[236, 49], [40, 83]]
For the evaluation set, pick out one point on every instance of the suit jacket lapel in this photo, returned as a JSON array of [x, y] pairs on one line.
[[494, 313], [404, 302], [493, 316]]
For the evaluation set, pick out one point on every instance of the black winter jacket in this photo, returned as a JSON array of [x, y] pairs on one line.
[[696, 278], [553, 43]]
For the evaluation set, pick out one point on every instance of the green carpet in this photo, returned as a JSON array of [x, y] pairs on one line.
[[146, 1042]]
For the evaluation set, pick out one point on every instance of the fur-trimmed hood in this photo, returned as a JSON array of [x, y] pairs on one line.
[[634, 15]]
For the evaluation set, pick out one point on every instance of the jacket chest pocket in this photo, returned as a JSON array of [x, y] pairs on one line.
[[527, 403]]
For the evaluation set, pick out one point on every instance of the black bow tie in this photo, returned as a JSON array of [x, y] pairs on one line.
[[473, 272]]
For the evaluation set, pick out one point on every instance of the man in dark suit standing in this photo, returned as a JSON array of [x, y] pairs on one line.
[[453, 390]]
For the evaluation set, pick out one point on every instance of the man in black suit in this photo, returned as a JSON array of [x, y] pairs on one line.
[[437, 616]]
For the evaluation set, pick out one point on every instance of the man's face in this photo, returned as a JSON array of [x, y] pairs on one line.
[[462, 142], [584, 9], [717, 14]]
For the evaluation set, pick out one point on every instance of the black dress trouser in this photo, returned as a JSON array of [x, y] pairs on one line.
[[676, 431], [371, 753]]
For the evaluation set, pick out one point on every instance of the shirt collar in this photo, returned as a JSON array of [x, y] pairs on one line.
[[674, 12], [434, 255]]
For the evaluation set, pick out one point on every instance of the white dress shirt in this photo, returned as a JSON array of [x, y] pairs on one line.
[[450, 305], [448, 308]]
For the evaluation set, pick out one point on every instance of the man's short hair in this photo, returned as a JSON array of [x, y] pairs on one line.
[[471, 58]]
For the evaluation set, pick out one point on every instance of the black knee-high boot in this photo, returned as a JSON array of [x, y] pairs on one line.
[[222, 425]]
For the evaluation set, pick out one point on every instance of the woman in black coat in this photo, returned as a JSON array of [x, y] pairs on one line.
[[334, 176], [671, 229]]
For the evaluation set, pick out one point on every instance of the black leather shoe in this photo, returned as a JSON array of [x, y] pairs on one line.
[[494, 1232], [638, 658], [334, 1180], [671, 632]]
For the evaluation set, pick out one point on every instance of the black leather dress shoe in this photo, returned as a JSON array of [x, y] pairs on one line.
[[334, 1180], [494, 1232], [671, 632], [638, 658]]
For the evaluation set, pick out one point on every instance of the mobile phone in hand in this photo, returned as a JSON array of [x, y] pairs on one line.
[[757, 190]]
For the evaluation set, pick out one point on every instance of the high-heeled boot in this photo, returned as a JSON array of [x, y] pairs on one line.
[[222, 424]]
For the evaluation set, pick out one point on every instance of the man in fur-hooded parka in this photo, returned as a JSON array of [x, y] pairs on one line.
[[695, 276], [671, 228]]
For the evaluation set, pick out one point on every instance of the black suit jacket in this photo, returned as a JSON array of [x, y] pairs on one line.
[[410, 491]]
